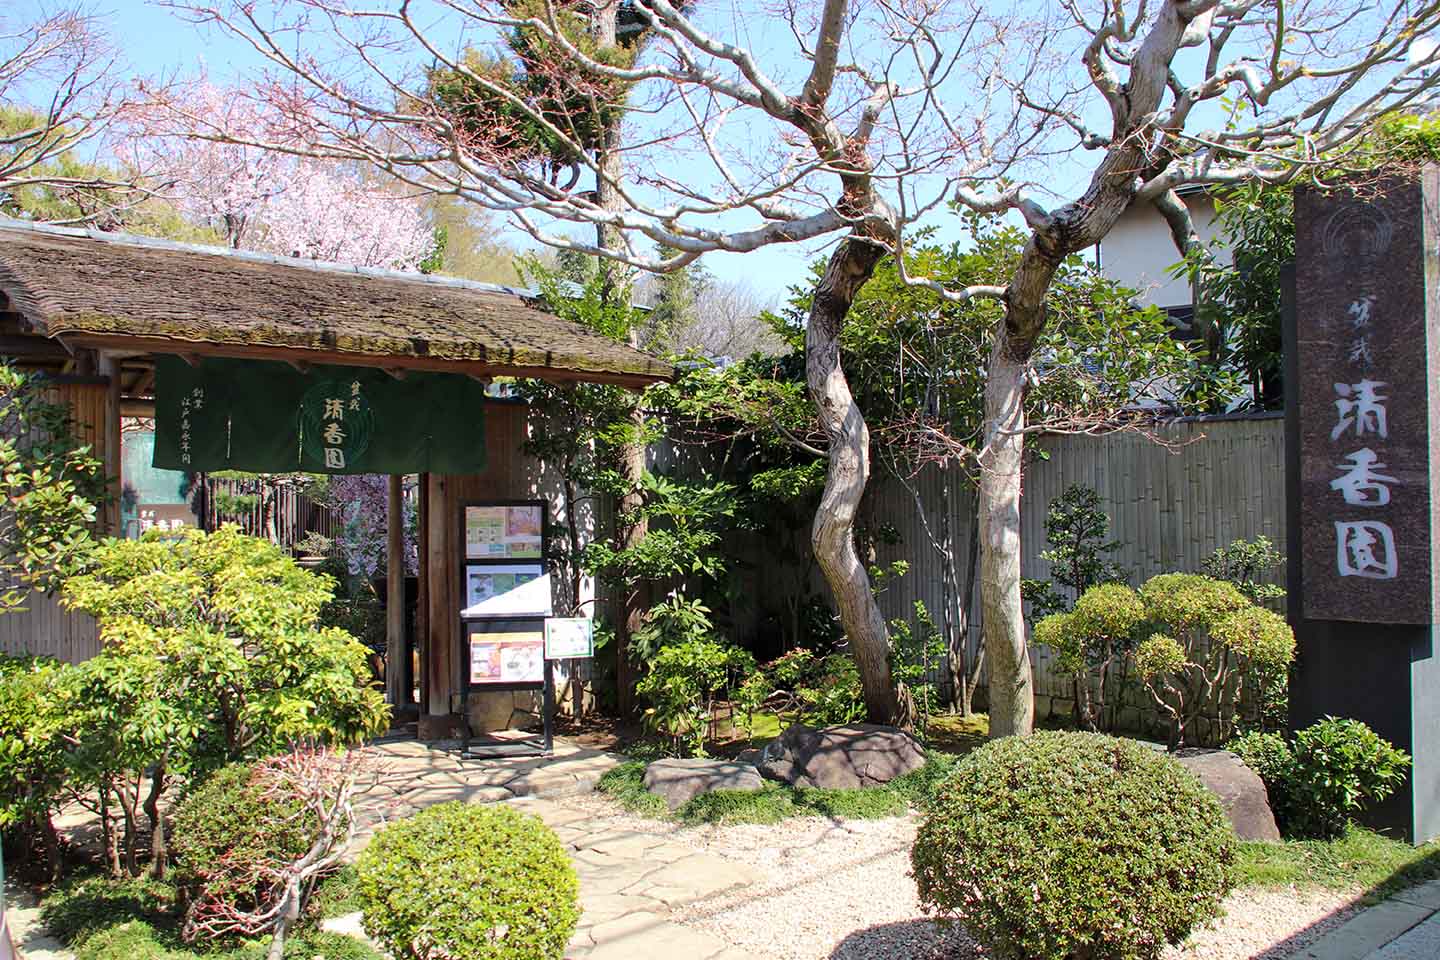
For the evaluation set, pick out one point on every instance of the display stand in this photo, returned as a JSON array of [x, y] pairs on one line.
[[506, 600]]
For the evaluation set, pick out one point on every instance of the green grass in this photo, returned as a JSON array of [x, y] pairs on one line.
[[1360, 858], [336, 896], [776, 802], [103, 919]]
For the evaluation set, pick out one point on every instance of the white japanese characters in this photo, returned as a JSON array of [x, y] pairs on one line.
[[1363, 548], [193, 401], [333, 435]]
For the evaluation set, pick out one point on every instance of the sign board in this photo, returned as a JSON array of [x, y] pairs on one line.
[[1367, 356], [268, 417], [504, 532], [513, 653], [163, 516], [506, 590], [567, 638]]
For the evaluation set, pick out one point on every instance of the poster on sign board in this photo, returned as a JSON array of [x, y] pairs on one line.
[[568, 638], [504, 532], [513, 656]]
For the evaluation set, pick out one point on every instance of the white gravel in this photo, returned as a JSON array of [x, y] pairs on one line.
[[841, 890]]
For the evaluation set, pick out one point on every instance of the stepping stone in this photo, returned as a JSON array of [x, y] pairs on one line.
[[679, 781]]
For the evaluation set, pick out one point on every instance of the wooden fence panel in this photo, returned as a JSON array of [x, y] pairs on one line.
[[1171, 504]]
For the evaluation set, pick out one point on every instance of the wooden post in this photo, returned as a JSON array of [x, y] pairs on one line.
[[422, 606], [443, 613], [395, 596], [108, 441]]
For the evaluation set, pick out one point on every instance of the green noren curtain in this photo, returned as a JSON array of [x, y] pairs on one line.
[[265, 417]]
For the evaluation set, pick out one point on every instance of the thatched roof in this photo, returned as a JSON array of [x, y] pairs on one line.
[[111, 291]]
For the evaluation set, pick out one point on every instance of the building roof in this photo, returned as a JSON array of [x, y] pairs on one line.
[[134, 294]]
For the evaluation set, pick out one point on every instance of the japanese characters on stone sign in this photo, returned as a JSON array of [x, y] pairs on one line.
[[1363, 359]]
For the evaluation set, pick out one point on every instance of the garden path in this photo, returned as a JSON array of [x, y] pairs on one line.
[[631, 880], [1404, 927]]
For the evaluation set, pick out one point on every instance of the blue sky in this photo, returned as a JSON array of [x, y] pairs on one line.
[[155, 41]]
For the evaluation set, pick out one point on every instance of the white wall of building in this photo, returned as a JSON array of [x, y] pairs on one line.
[[1139, 252]]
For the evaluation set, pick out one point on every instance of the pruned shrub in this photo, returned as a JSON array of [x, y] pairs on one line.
[[251, 842], [1073, 845], [478, 882], [32, 753], [1209, 643], [1197, 645], [1332, 771]]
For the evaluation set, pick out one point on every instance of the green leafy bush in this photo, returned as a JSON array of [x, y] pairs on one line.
[[252, 842], [821, 690], [237, 620], [479, 882], [1064, 845], [1093, 639], [1319, 783], [212, 653], [32, 751], [683, 683], [50, 486], [1208, 643]]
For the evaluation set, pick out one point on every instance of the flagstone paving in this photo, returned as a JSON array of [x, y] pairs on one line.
[[410, 775], [632, 883]]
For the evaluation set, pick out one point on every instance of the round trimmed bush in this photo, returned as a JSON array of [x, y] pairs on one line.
[[466, 881], [1073, 845]]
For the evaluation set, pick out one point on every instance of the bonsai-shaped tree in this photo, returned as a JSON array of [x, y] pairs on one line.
[[1194, 642], [1206, 639], [1095, 637]]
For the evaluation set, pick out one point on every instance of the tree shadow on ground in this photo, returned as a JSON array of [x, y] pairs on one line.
[[912, 939], [1420, 870]]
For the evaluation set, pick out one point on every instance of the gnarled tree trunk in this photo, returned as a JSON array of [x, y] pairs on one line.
[[833, 534]]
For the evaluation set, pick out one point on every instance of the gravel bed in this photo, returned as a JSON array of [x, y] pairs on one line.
[[841, 890]]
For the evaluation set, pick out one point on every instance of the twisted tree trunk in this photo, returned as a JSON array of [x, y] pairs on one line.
[[833, 534]]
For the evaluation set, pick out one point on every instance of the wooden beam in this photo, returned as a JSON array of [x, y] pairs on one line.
[[137, 408], [189, 358], [395, 670], [444, 618], [422, 609], [292, 355], [32, 348], [108, 366]]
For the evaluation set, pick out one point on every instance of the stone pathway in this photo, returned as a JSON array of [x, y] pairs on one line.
[[411, 775], [22, 913], [630, 881], [1404, 927]]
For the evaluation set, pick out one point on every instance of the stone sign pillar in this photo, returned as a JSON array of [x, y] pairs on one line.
[[1363, 438]]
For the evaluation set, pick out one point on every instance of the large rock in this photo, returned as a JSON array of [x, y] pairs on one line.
[[861, 755], [679, 781], [1241, 792]]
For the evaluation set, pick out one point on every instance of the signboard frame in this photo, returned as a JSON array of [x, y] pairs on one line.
[[490, 747]]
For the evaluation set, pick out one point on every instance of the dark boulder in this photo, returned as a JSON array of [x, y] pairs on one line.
[[1242, 793], [858, 755], [679, 781]]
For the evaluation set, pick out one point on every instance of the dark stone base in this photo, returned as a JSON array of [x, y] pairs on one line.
[[439, 726]]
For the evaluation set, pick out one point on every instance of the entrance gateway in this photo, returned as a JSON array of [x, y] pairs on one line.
[[1362, 351], [301, 365]]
